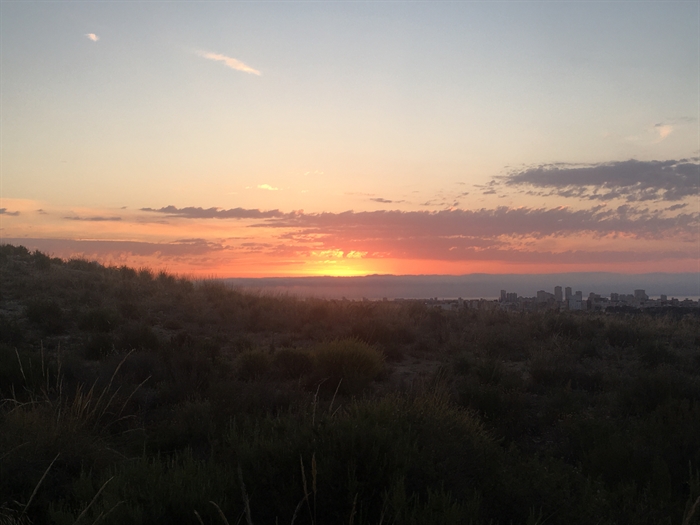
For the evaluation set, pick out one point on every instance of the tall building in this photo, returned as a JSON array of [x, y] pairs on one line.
[[576, 301], [557, 294], [503, 296], [567, 293]]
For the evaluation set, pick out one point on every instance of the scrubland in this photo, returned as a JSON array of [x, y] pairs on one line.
[[130, 396]]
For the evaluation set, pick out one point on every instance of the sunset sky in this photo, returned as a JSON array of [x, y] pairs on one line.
[[250, 139]]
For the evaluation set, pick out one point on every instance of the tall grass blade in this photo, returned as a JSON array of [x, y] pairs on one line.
[[246, 501], [36, 488], [93, 500], [221, 513]]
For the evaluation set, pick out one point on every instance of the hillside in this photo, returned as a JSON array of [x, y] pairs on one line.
[[133, 396]]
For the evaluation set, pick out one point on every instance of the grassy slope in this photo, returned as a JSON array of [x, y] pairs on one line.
[[133, 397]]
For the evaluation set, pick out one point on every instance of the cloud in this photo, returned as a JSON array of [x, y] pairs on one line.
[[3, 211], [230, 62], [487, 226], [216, 213], [93, 219], [92, 36], [386, 201], [632, 180], [664, 130], [527, 234], [602, 234], [457, 234], [267, 187]]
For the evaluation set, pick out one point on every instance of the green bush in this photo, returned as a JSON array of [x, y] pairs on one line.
[[349, 363]]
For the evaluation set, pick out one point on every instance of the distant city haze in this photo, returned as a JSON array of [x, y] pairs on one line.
[[473, 286]]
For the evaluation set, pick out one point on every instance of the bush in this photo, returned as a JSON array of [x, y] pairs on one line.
[[252, 365], [289, 363], [139, 337], [41, 261], [98, 345], [10, 331], [349, 363], [48, 315], [98, 320]]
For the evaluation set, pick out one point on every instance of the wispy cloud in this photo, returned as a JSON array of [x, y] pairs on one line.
[[231, 62], [267, 187], [93, 219], [3, 211], [216, 213], [92, 36]]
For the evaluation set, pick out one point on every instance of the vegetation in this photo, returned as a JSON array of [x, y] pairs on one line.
[[130, 396]]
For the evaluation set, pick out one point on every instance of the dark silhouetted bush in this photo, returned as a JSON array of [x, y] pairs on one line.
[[98, 346], [137, 336], [47, 314], [290, 363], [11, 332], [98, 320], [252, 365], [41, 261]]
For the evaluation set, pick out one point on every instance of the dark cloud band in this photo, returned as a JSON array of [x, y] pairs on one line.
[[215, 213], [632, 180]]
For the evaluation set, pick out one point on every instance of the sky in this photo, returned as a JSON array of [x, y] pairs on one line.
[[303, 138]]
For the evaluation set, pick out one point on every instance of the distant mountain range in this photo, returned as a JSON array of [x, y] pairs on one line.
[[487, 286]]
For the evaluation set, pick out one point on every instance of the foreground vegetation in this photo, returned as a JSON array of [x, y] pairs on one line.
[[134, 397]]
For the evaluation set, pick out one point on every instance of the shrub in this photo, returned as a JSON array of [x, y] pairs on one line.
[[353, 362], [20, 371], [138, 336], [190, 371], [83, 265], [652, 353], [621, 335], [290, 363], [41, 261], [252, 364], [98, 320], [98, 345], [490, 371], [10, 331], [47, 314], [463, 363]]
